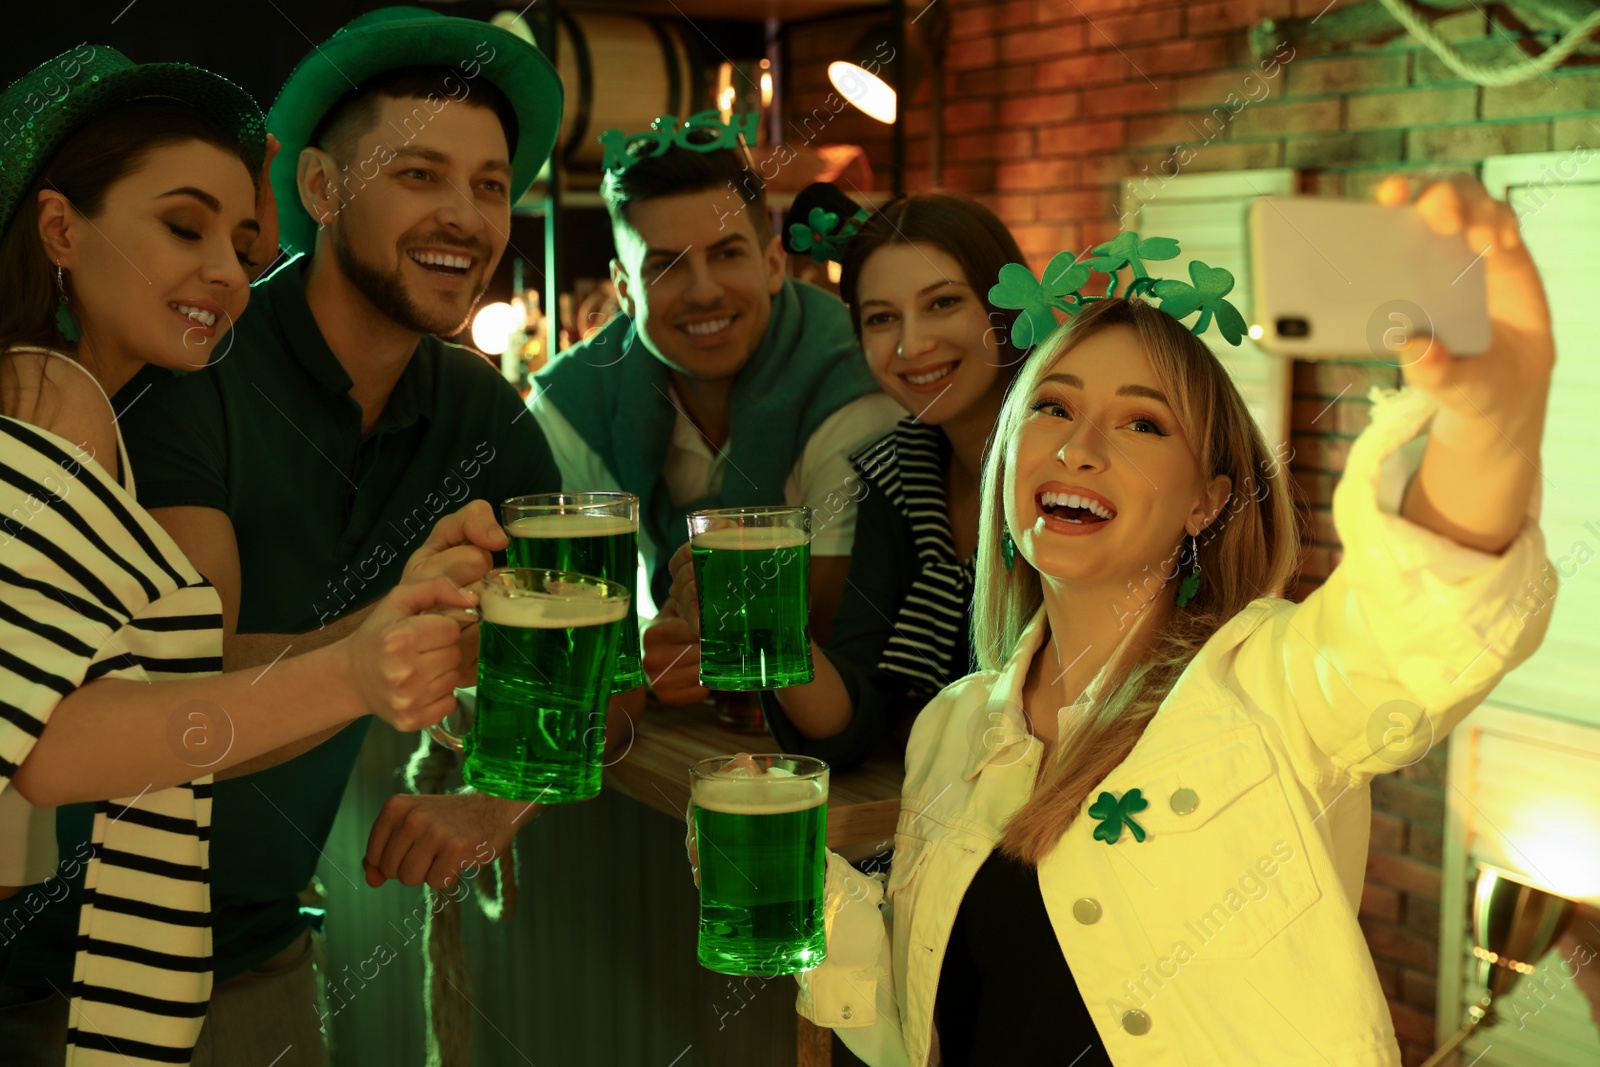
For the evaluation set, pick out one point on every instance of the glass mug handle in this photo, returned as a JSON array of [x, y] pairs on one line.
[[465, 617]]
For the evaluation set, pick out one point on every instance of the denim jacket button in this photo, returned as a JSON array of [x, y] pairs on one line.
[[1136, 1022], [1185, 801], [845, 1012], [1086, 910]]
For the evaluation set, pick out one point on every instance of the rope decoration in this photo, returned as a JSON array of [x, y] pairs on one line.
[[1492, 77], [433, 768]]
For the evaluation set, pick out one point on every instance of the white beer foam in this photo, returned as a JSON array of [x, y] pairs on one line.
[[751, 538], [545, 612], [571, 524], [735, 796]]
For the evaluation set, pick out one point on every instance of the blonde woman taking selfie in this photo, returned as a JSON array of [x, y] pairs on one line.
[[1137, 835]]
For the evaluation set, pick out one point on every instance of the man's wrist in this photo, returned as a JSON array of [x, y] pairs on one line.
[[511, 813]]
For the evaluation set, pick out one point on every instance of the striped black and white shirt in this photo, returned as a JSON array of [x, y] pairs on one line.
[[928, 642], [90, 588]]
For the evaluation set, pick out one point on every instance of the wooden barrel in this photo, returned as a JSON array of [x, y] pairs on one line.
[[621, 71]]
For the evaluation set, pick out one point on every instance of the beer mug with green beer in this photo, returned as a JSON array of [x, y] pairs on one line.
[[588, 533], [546, 644], [761, 832], [752, 568]]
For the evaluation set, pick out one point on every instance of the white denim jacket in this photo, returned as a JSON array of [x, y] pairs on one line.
[[1228, 936]]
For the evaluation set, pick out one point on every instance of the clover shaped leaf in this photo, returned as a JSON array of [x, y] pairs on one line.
[[1019, 290], [802, 237], [1126, 250], [822, 221], [813, 234], [1112, 813], [1180, 299]]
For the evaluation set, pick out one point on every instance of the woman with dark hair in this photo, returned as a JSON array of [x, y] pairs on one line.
[[1137, 834], [915, 276], [129, 212]]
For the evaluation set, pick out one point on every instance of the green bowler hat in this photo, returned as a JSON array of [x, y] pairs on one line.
[[392, 38], [40, 111]]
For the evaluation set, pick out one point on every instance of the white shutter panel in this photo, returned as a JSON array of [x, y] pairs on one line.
[[1206, 215], [1560, 220]]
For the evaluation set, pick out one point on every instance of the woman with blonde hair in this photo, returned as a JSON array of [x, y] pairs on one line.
[[1138, 834]]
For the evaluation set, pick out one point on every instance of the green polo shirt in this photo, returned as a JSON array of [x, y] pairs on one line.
[[325, 519]]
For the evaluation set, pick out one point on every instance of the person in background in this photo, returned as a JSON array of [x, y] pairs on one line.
[[1121, 841], [723, 383], [131, 223], [915, 277]]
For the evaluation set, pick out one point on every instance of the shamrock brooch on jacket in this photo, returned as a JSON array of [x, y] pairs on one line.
[[1112, 813]]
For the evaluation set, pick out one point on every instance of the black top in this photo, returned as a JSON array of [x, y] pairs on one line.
[[902, 504], [1006, 994]]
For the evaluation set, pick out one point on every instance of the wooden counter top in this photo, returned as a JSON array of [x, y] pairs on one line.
[[863, 804]]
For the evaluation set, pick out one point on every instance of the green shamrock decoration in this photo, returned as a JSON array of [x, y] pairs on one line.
[[813, 234], [1180, 299], [1113, 813], [1019, 290], [816, 234], [1188, 588], [1126, 250], [1065, 277]]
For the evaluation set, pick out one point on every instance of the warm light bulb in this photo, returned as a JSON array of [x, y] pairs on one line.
[[863, 89], [493, 327], [835, 271], [1256, 333], [515, 23], [725, 102], [766, 89]]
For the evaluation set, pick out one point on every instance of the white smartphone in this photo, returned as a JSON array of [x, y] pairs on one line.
[[1346, 279]]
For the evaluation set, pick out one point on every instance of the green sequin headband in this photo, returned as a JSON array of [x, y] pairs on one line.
[[1064, 278], [704, 131]]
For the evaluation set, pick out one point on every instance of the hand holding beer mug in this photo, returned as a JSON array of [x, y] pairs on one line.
[[760, 830], [752, 572], [586, 533], [403, 656], [547, 644]]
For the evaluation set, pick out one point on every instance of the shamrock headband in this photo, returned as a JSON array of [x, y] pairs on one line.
[[813, 222], [1065, 276], [704, 131]]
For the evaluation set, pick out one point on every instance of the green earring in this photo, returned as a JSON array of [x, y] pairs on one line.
[[66, 322], [1008, 548], [1190, 585]]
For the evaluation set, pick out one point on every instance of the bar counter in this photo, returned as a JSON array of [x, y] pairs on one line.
[[863, 803]]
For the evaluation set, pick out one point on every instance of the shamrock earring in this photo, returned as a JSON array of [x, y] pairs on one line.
[[66, 322], [1007, 547], [1190, 585]]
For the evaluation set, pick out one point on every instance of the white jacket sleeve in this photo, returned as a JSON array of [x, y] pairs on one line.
[[1411, 630], [852, 991]]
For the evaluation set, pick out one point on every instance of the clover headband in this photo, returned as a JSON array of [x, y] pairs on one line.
[[1065, 276], [664, 133], [816, 234], [822, 220]]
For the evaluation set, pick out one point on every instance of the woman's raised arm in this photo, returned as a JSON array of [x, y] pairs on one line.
[[1425, 613], [1482, 460]]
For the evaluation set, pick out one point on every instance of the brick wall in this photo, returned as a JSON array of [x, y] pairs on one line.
[[1052, 103]]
